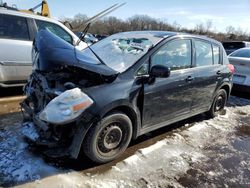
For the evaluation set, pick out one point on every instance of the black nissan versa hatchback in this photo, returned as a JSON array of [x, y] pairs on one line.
[[124, 86]]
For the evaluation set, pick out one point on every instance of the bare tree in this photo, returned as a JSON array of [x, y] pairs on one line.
[[111, 25], [209, 25], [200, 28]]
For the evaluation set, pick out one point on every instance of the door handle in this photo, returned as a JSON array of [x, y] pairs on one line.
[[219, 72], [189, 79]]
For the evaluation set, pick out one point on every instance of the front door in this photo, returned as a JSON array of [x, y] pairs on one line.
[[168, 98]]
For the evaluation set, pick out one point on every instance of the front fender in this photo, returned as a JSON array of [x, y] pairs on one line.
[[126, 102]]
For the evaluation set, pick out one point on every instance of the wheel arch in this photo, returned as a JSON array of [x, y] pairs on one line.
[[127, 109], [134, 116], [227, 88]]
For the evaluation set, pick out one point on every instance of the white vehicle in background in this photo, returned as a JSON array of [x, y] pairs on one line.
[[241, 61], [17, 31]]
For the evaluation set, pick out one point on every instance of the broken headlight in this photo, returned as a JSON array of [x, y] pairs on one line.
[[66, 107]]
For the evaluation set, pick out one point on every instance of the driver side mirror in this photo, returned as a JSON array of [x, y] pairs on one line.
[[160, 71]]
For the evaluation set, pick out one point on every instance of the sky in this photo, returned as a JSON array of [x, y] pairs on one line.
[[187, 13]]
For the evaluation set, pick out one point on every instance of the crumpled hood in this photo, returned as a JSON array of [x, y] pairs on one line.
[[54, 53]]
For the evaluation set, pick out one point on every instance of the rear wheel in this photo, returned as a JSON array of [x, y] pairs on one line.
[[108, 138], [219, 103]]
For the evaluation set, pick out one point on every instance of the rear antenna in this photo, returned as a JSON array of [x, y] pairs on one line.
[[97, 17]]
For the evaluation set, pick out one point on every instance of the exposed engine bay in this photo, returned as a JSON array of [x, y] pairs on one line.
[[42, 88]]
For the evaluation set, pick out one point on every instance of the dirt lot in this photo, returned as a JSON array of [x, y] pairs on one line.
[[197, 152], [9, 100]]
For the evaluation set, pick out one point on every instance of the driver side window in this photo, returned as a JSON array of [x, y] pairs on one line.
[[175, 54]]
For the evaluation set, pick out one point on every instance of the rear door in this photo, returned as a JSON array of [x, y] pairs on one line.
[[15, 45], [169, 98], [209, 70]]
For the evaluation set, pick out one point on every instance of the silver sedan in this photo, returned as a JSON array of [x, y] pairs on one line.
[[241, 61]]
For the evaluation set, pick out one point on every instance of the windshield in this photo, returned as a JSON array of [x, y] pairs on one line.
[[122, 50]]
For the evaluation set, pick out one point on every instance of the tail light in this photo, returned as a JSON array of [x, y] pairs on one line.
[[231, 68]]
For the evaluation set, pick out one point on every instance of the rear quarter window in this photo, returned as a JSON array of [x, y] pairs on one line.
[[216, 54], [225, 59], [13, 27]]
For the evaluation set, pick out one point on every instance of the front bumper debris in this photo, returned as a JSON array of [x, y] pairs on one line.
[[58, 140]]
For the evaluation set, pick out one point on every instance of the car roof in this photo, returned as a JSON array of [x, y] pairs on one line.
[[27, 15], [240, 49], [37, 17], [167, 34], [235, 42], [160, 34]]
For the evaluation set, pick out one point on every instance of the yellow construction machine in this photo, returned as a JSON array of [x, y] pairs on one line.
[[44, 8]]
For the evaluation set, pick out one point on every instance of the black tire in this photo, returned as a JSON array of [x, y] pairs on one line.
[[219, 103], [109, 138]]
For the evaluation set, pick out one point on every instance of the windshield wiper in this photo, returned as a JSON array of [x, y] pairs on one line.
[[96, 55], [97, 17]]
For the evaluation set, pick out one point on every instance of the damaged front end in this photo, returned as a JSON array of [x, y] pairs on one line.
[[57, 100]]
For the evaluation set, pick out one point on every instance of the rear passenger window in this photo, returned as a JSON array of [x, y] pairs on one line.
[[13, 27], [175, 55], [57, 30], [216, 53], [204, 55]]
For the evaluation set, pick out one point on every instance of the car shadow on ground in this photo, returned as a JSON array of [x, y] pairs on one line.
[[11, 91], [244, 95]]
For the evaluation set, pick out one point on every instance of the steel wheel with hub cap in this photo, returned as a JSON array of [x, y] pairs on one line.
[[219, 103], [108, 138]]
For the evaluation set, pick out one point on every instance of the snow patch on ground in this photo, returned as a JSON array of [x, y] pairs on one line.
[[159, 165], [17, 164], [198, 127]]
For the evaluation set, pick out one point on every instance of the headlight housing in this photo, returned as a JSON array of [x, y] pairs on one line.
[[66, 107]]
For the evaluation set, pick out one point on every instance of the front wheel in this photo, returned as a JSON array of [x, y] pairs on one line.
[[108, 138], [219, 103]]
